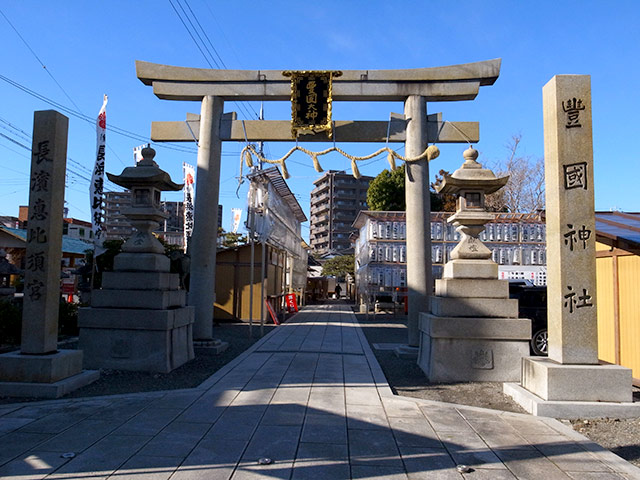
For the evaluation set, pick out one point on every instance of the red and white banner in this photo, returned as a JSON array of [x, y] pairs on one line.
[[189, 172], [236, 213], [137, 153], [97, 179]]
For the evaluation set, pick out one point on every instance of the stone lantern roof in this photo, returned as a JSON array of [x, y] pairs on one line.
[[146, 172], [471, 176]]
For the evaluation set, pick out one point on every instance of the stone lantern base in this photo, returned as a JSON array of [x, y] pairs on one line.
[[139, 319], [472, 333]]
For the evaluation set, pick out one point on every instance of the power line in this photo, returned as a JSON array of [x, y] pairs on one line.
[[214, 49], [39, 61], [69, 168], [202, 46], [189, 32], [14, 141], [52, 77], [81, 116]]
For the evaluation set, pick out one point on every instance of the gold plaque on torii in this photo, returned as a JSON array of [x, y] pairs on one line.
[[311, 101]]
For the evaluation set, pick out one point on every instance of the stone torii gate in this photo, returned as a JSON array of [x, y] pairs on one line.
[[414, 87]]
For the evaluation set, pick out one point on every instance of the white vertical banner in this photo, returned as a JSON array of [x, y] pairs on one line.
[[97, 179], [137, 154], [236, 213], [189, 173]]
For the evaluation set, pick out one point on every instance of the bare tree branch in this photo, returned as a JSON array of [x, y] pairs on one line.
[[524, 192]]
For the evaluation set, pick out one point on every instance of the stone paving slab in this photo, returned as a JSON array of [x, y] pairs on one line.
[[311, 397]]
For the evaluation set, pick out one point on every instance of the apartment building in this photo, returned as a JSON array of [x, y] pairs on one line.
[[335, 202], [116, 225]]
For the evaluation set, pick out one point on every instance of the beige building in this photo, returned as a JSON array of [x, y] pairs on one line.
[[335, 202]]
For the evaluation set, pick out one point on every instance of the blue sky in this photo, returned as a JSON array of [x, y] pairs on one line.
[[89, 48]]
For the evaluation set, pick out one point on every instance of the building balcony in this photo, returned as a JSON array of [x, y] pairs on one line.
[[345, 182], [316, 209], [344, 194], [319, 219], [320, 188], [320, 198], [320, 229]]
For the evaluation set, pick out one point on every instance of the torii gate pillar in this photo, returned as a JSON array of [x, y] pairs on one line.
[[205, 226], [418, 215]]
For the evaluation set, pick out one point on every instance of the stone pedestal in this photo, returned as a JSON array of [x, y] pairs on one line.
[[44, 376], [139, 319], [552, 389], [472, 333]]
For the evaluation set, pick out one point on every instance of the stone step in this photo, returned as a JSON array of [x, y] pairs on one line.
[[472, 349], [141, 262], [470, 269], [473, 288], [140, 281], [142, 299], [135, 319], [474, 307], [465, 327]]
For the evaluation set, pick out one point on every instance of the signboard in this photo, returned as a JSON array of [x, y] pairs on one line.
[[311, 101], [292, 304]]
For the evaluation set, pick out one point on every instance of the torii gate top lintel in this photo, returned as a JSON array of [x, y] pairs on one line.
[[486, 71], [449, 83]]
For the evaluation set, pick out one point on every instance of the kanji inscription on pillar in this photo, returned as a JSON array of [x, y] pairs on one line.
[[571, 268], [44, 233]]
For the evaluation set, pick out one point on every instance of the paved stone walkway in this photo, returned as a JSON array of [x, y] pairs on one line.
[[310, 396]]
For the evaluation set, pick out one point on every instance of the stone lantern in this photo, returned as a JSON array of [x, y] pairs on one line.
[[139, 319], [145, 181], [472, 332], [471, 183]]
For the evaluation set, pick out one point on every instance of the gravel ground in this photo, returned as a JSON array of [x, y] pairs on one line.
[[404, 376], [621, 436]]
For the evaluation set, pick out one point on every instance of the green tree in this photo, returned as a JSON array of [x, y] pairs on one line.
[[339, 266], [442, 202], [233, 239], [386, 192]]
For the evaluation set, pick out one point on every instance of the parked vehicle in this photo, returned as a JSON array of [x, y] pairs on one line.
[[532, 304]]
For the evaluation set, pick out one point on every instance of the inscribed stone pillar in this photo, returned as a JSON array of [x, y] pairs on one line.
[[44, 233], [571, 259], [418, 214], [205, 229], [570, 383]]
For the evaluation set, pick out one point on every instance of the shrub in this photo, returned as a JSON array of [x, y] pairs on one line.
[[10, 323]]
